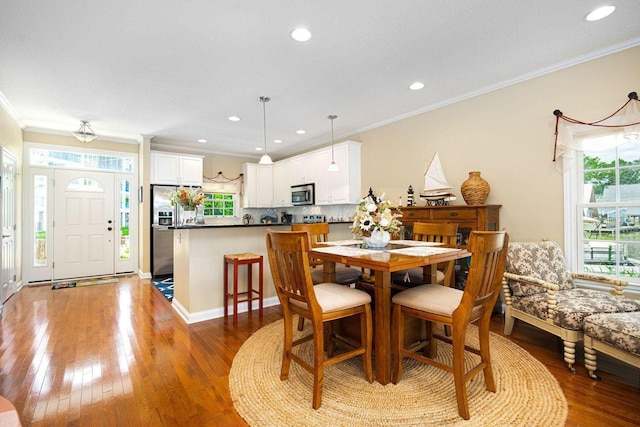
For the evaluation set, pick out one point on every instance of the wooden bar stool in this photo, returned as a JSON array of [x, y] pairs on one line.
[[249, 295]]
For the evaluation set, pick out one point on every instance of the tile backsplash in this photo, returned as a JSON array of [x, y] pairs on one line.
[[332, 213]]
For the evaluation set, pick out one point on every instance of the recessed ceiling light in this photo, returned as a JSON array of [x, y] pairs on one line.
[[301, 131], [202, 140], [416, 86], [258, 148], [599, 13], [234, 118], [277, 141], [300, 34]]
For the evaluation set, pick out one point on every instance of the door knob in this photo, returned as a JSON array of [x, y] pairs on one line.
[[110, 221]]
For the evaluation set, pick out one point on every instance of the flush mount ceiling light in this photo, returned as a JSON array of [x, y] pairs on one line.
[[85, 133], [332, 167], [416, 86], [599, 13], [265, 159], [300, 34]]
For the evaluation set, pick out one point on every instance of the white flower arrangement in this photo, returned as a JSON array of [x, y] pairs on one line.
[[375, 214], [187, 198]]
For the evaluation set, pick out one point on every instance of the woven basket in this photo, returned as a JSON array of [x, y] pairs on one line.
[[475, 189]]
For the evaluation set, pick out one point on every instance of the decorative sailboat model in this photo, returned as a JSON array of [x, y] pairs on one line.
[[437, 190]]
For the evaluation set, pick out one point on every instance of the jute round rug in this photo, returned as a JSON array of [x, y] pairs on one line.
[[527, 395]]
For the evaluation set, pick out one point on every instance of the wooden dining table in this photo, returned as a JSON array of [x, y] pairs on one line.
[[397, 255]]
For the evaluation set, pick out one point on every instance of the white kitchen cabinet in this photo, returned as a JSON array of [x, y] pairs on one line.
[[258, 185], [176, 169], [282, 182], [268, 186], [321, 161], [342, 186], [303, 169]]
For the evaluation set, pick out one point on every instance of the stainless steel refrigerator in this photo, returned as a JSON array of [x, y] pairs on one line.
[[163, 216]]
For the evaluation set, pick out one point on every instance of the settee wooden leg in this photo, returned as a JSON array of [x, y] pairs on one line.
[[508, 323], [590, 362], [570, 355]]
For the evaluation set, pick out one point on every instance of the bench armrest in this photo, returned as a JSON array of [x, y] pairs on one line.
[[551, 289], [532, 281], [617, 284]]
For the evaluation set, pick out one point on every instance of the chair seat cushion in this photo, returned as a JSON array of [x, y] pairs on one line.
[[344, 275], [574, 305], [8, 414], [334, 297], [414, 277], [542, 260], [621, 330], [436, 299]]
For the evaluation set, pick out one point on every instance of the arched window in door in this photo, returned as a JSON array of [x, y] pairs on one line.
[[85, 185]]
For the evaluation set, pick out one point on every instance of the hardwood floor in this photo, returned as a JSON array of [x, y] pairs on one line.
[[116, 354]]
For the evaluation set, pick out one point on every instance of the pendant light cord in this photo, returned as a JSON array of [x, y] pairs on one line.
[[264, 100], [264, 123], [332, 117]]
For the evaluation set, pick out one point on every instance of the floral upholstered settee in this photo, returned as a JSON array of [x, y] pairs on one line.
[[615, 334], [538, 289]]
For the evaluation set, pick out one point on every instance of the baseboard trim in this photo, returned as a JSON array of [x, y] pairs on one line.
[[216, 313]]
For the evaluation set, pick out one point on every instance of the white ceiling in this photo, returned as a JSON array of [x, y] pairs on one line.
[[177, 69]]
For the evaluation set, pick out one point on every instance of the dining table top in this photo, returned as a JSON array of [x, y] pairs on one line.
[[397, 255]]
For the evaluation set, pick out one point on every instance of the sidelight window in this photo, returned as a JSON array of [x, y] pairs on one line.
[[40, 190]]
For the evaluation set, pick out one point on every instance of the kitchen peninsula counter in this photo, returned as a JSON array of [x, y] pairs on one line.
[[195, 226], [198, 264]]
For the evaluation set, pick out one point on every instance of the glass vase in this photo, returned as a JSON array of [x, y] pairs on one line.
[[200, 214]]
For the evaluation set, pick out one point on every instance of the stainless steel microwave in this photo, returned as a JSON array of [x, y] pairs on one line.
[[303, 194]]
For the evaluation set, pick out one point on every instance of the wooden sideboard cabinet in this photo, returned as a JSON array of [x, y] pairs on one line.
[[468, 218]]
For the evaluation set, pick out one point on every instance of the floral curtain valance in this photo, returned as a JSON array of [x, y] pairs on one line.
[[570, 132]]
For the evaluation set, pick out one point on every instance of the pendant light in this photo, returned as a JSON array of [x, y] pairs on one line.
[[85, 133], [265, 159], [332, 167]]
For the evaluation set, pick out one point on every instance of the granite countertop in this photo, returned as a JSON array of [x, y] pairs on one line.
[[239, 224]]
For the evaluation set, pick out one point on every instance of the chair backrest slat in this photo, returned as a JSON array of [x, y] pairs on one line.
[[488, 256], [318, 233], [289, 261], [435, 232]]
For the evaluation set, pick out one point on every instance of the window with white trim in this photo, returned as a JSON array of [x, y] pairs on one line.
[[219, 205], [604, 224]]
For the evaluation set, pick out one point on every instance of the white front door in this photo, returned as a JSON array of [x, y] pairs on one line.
[[8, 251], [84, 229]]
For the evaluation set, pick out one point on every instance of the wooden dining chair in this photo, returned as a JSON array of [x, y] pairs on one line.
[[441, 304], [319, 233], [436, 232], [289, 260]]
